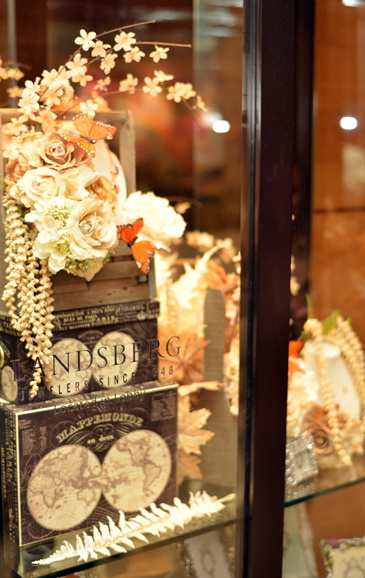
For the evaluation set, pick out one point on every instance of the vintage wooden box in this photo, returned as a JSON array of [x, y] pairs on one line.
[[120, 280], [67, 465]]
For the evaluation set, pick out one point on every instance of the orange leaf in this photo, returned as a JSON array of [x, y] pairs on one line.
[[187, 389], [190, 433], [187, 467]]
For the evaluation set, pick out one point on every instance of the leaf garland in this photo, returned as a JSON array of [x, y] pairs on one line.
[[155, 521]]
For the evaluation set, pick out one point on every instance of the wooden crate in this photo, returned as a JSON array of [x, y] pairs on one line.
[[120, 280]]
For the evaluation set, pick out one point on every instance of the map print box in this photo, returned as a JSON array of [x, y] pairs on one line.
[[93, 349], [67, 465]]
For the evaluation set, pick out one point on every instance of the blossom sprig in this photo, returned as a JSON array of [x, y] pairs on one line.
[[56, 88], [155, 521]]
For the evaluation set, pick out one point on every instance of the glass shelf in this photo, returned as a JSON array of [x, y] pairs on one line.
[[27, 554], [334, 479]]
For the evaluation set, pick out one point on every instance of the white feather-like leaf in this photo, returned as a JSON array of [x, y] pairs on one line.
[[154, 521]]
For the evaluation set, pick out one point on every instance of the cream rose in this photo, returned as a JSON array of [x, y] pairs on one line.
[[92, 229], [56, 153], [40, 186], [161, 223]]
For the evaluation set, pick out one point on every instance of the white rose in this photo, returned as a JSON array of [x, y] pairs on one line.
[[96, 216], [161, 223]]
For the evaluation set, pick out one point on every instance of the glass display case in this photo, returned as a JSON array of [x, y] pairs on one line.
[[324, 518], [166, 458]]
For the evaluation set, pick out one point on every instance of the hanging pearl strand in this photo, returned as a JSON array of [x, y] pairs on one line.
[[315, 328], [42, 326], [17, 253], [33, 288], [346, 339]]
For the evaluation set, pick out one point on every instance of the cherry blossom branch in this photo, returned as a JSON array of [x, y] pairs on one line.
[[125, 27]]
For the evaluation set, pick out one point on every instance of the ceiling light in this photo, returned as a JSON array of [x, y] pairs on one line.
[[221, 126], [348, 122]]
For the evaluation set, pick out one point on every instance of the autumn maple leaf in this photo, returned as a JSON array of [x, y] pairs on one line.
[[187, 466], [190, 433]]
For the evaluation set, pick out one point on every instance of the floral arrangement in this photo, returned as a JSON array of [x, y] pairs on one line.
[[336, 432], [154, 521], [61, 212]]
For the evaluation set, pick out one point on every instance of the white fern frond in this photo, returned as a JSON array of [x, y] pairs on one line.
[[155, 521]]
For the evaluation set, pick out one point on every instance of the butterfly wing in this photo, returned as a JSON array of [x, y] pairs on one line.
[[93, 129], [129, 232], [143, 252], [82, 142]]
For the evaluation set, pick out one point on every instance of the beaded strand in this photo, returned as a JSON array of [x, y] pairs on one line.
[[315, 328], [30, 282]]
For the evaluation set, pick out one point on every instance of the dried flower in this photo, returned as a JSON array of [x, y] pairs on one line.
[[134, 54], [89, 107], [129, 84], [102, 83], [159, 53], [162, 77], [124, 41], [108, 62], [152, 86], [86, 40], [29, 104], [77, 67], [99, 49]]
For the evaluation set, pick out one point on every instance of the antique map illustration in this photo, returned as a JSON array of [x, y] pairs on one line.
[[136, 470], [64, 487]]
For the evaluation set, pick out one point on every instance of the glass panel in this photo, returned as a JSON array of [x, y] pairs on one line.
[[326, 368], [139, 404]]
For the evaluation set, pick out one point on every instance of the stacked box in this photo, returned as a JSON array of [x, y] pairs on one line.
[[68, 464], [93, 349]]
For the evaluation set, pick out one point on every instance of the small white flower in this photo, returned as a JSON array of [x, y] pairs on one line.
[[100, 49], [102, 83], [108, 62], [161, 76], [77, 67], [14, 91], [129, 84], [159, 53], [180, 91], [152, 86], [29, 104], [89, 107], [124, 41], [85, 79], [33, 85], [134, 54], [86, 39]]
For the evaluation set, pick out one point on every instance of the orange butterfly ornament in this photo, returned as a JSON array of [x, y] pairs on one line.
[[90, 131], [142, 251]]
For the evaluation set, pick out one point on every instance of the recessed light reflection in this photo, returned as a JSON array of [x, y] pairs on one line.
[[353, 2], [348, 122], [221, 126]]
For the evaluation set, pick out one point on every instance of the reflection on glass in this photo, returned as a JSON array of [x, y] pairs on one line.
[[326, 359]]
